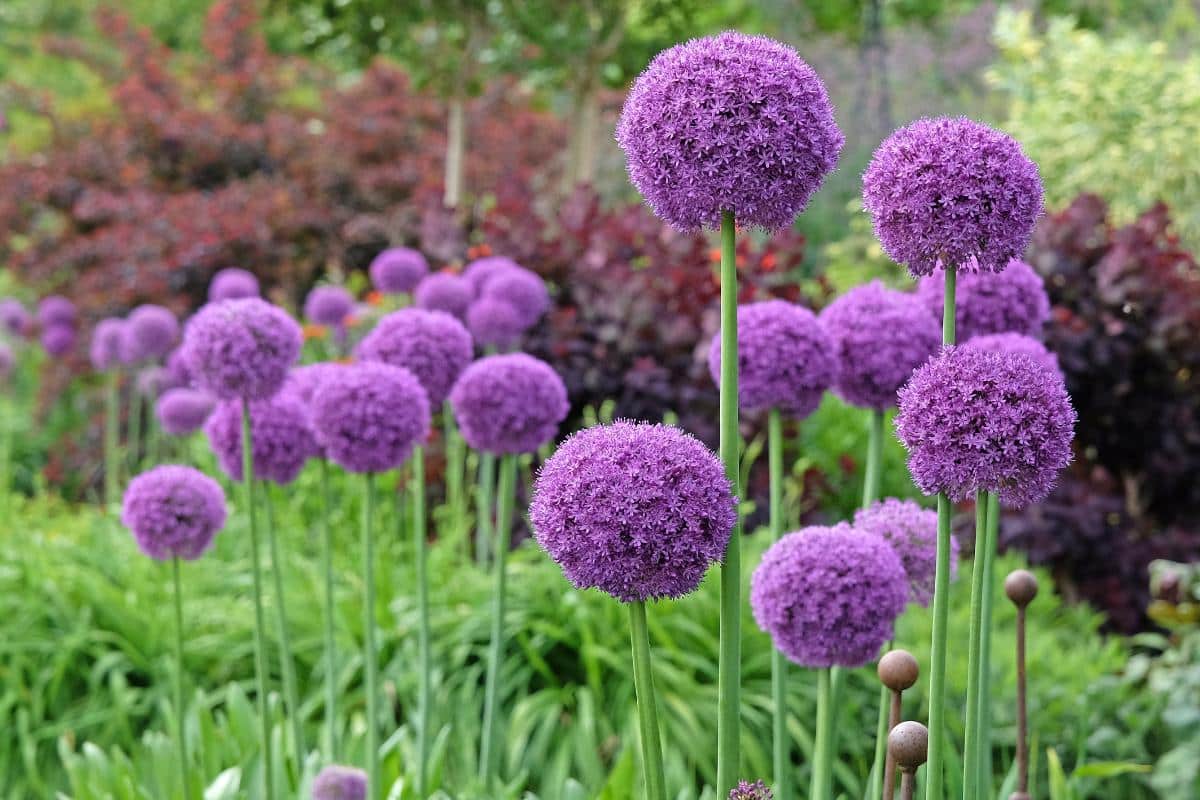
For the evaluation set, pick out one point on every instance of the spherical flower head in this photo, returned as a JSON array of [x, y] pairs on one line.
[[281, 439], [182, 411], [879, 336], [522, 289], [481, 270], [173, 512], [153, 381], [785, 359], [105, 348], [14, 319], [912, 533], [636, 510], [1012, 301], [150, 333], [445, 291], [494, 323], [509, 404], [432, 345], [1016, 343], [241, 348], [397, 270], [57, 311], [729, 123], [328, 305], [336, 782], [976, 419], [232, 283], [177, 365], [7, 360], [829, 596], [58, 340], [751, 791], [369, 416], [952, 193], [304, 381]]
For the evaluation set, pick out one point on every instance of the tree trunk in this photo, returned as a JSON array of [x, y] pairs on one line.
[[456, 145]]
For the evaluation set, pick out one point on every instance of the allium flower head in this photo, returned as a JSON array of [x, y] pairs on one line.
[[173, 511], [524, 290], [369, 416], [432, 345], [177, 365], [336, 782], [398, 270], [57, 311], [976, 419], [328, 305], [729, 123], [105, 348], [481, 270], [241, 348], [750, 791], [58, 340], [879, 337], [785, 358], [153, 381], [509, 403], [150, 333], [636, 510], [829, 596], [992, 302], [912, 533], [7, 360], [444, 291], [281, 439], [182, 411], [494, 323], [1015, 343], [232, 283], [304, 381], [952, 193], [14, 318]]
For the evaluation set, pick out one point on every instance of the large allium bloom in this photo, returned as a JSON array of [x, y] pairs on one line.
[[14, 318], [879, 337], [241, 348], [177, 365], [369, 416], [398, 270], [7, 360], [952, 193], [58, 340], [336, 782], [57, 311], [445, 291], [1016, 343], [173, 511], [150, 333], [636, 510], [481, 270], [977, 419], [509, 403], [232, 283], [829, 596], [785, 359], [751, 791], [524, 290], [1010, 301], [304, 381], [153, 381], [280, 437], [432, 345], [105, 348], [912, 533], [182, 411], [494, 323], [328, 305], [729, 123]]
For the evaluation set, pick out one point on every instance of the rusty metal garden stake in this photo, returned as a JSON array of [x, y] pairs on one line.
[[898, 670], [908, 747], [1021, 587]]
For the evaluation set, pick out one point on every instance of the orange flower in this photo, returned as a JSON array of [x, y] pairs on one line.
[[714, 255], [314, 331], [375, 298], [768, 262]]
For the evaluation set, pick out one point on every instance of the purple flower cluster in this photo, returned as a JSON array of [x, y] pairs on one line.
[[328, 305], [177, 365], [232, 283], [1015, 343], [879, 337], [57, 311], [183, 411], [58, 340], [445, 291], [636, 510], [432, 345], [975, 419], [14, 319], [912, 533], [150, 333], [729, 123], [304, 381], [509, 403], [481, 270], [785, 360], [829, 596], [952, 193], [494, 323], [1012, 301], [397, 270], [7, 360], [105, 348], [241, 348], [524, 290], [281, 439], [173, 512], [153, 381], [750, 791], [336, 782]]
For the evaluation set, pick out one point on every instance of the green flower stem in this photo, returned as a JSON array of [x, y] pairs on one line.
[[180, 716], [729, 667], [875, 789], [971, 743], [985, 646], [286, 665], [330, 641], [260, 626], [455, 455], [152, 435], [484, 499], [371, 667], [508, 479], [781, 755], [643, 683], [134, 435], [874, 471], [112, 422], [7, 404], [424, 670], [822, 772]]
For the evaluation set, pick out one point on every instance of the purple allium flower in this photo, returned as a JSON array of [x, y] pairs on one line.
[[105, 348], [1015, 343], [153, 381], [445, 291], [879, 337], [182, 411], [750, 791], [58, 340], [785, 358], [975, 419], [829, 596], [7, 360], [524, 290], [369, 416], [729, 123], [340, 783], [494, 323], [304, 381], [912, 533], [482, 270], [280, 437], [328, 305], [173, 511], [241, 348], [57, 311], [232, 283], [636, 510], [509, 403], [952, 192], [398, 270], [150, 332], [432, 345], [177, 365], [14, 318], [1001, 302]]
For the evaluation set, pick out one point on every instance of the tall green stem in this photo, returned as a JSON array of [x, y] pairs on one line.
[[873, 474], [643, 684], [6, 436], [875, 789], [454, 475], [822, 773], [729, 667], [780, 750], [330, 640], [286, 665], [484, 500], [508, 481], [180, 724], [371, 667], [971, 743], [135, 427], [260, 625], [112, 420], [424, 670], [985, 647]]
